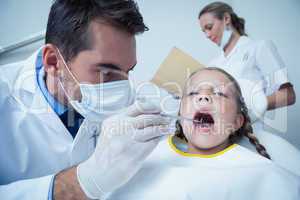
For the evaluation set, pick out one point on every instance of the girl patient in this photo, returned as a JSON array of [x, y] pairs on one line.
[[202, 160]]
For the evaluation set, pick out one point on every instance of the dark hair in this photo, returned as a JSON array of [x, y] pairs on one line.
[[218, 9], [69, 20], [246, 129]]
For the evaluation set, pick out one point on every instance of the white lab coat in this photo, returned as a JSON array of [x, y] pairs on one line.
[[258, 62], [33, 140], [255, 61], [233, 174]]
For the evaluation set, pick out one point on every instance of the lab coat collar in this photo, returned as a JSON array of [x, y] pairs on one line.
[[26, 79], [33, 101], [243, 40]]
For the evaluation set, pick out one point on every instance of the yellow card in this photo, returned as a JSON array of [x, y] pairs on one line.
[[175, 70]]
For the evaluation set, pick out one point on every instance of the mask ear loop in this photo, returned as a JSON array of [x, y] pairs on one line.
[[67, 67], [132, 91], [73, 77]]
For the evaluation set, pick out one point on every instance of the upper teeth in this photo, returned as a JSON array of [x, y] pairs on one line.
[[204, 125]]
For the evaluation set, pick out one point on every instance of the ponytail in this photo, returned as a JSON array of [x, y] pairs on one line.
[[238, 23]]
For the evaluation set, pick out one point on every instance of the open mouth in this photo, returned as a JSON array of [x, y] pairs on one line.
[[203, 120]]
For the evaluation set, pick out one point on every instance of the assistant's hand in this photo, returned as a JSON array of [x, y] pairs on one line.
[[125, 141]]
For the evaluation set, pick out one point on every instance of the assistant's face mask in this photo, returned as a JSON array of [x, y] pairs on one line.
[[227, 33], [101, 100]]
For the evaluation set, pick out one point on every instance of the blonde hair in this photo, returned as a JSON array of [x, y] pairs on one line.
[[246, 130]]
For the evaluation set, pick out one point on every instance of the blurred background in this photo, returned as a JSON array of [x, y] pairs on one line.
[[174, 23]]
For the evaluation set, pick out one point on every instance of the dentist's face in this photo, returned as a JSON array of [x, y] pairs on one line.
[[210, 99], [212, 27], [112, 51], [111, 56]]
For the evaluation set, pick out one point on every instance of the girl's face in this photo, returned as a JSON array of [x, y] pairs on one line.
[[210, 100], [213, 27]]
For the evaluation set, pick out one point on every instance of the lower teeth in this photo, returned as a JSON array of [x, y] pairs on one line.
[[204, 125]]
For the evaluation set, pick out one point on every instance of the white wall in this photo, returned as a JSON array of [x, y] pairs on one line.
[[19, 19], [174, 23]]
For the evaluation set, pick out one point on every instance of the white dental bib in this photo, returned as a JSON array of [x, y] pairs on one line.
[[235, 173]]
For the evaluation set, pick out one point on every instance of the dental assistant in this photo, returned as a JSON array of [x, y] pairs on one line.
[[55, 104], [259, 70]]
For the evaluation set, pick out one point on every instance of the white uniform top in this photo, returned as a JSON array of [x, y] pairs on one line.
[[33, 140], [232, 174], [258, 62], [255, 61]]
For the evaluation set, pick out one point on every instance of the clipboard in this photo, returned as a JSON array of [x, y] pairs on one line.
[[174, 71]]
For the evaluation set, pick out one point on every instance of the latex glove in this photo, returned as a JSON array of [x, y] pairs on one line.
[[168, 102], [259, 106], [255, 99], [124, 143]]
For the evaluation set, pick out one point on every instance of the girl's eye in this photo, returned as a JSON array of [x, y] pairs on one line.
[[104, 71], [221, 94], [193, 93]]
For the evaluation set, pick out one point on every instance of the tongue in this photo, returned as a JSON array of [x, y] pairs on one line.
[[203, 127]]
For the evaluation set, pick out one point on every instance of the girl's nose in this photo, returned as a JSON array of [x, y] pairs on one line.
[[204, 99]]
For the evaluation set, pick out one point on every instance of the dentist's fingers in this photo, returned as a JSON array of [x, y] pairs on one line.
[[152, 132], [142, 107], [146, 120]]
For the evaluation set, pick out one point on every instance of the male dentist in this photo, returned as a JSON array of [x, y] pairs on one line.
[[71, 93]]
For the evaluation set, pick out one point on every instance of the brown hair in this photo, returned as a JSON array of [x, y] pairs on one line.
[[218, 9], [246, 129], [69, 20]]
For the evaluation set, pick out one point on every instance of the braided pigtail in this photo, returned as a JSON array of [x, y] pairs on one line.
[[247, 131], [179, 131]]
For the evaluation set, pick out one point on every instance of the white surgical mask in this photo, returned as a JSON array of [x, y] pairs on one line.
[[101, 100], [104, 99], [227, 33]]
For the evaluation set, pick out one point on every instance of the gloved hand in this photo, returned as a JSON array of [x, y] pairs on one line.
[[255, 99], [259, 106], [125, 141]]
